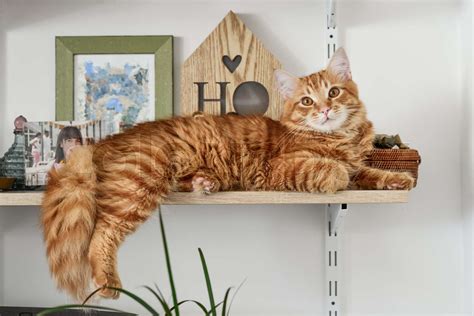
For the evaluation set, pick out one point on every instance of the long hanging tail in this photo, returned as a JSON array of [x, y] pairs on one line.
[[68, 219]]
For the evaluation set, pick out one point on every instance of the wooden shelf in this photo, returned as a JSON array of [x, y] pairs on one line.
[[242, 197]]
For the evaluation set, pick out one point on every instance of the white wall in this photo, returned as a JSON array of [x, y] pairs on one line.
[[468, 154], [408, 259]]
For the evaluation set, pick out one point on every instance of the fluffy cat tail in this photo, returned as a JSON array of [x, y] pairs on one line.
[[68, 219]]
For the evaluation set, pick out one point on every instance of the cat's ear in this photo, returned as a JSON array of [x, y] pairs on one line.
[[339, 65], [286, 83]]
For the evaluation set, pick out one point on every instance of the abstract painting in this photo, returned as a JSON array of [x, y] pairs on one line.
[[115, 88]]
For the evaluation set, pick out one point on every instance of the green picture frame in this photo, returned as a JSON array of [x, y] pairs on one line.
[[69, 46]]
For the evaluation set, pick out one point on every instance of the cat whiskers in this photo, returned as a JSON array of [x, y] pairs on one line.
[[311, 122]]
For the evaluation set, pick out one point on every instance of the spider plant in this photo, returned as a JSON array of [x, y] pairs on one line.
[[163, 308]]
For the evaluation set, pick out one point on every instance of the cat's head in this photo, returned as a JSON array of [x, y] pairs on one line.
[[326, 101]]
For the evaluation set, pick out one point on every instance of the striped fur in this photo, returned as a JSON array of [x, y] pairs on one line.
[[105, 191]]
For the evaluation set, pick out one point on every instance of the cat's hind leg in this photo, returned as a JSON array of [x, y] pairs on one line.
[[120, 210], [107, 237]]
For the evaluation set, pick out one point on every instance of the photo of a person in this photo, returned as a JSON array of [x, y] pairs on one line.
[[46, 145], [69, 138], [89, 141], [35, 144]]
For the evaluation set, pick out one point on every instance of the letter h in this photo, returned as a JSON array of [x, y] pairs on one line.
[[222, 98]]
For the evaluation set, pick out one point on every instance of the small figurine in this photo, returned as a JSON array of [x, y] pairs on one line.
[[12, 164], [389, 141]]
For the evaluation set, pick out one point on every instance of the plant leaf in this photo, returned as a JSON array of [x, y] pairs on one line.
[[162, 301], [213, 310], [161, 294], [77, 306], [135, 298], [201, 306], [159, 291], [208, 283], [91, 295], [168, 264], [226, 296], [233, 296]]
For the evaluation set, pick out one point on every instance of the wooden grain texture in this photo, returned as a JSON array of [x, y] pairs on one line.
[[243, 197], [231, 37]]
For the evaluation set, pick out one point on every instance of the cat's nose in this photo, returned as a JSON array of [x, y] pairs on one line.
[[325, 111]]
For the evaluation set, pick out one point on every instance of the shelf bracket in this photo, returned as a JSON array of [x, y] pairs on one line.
[[331, 30], [334, 215]]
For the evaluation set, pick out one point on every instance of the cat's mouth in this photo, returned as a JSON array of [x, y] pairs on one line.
[[328, 116], [327, 123], [325, 120]]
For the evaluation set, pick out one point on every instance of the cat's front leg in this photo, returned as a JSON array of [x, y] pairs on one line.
[[204, 181], [376, 179], [307, 174]]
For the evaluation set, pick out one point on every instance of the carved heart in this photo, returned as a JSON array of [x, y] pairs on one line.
[[232, 64]]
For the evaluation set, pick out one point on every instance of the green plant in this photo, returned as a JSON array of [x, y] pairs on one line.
[[163, 304]]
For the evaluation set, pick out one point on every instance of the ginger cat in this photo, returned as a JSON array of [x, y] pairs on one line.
[[105, 191]]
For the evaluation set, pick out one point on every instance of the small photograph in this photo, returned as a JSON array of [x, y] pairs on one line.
[[48, 145]]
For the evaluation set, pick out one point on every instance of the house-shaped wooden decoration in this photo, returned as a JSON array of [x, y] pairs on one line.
[[231, 71]]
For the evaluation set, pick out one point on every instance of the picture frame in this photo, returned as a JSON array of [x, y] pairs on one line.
[[158, 49]]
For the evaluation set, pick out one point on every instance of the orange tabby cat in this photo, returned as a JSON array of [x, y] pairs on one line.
[[104, 192]]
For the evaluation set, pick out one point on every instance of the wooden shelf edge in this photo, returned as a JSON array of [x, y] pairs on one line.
[[242, 197]]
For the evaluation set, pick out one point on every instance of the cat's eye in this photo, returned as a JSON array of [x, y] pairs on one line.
[[307, 101], [334, 92]]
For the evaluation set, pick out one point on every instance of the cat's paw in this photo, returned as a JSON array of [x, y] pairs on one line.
[[399, 181], [103, 281], [205, 184], [336, 179]]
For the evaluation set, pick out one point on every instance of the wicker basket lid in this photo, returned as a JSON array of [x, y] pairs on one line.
[[394, 155]]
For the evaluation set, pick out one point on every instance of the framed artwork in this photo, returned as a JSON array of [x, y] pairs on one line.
[[48, 144], [121, 80]]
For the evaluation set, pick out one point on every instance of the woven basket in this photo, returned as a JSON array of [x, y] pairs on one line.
[[395, 160]]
